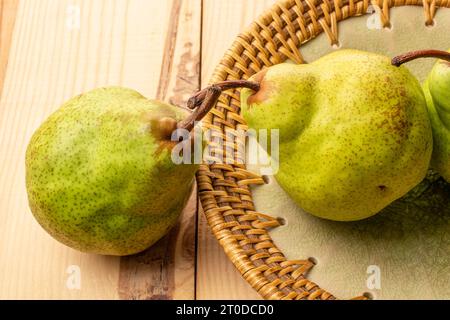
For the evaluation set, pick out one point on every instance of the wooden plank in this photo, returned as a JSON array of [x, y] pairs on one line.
[[8, 11], [167, 270], [217, 277], [61, 48]]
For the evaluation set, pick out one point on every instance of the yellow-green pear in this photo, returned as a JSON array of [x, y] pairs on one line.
[[100, 175], [354, 133]]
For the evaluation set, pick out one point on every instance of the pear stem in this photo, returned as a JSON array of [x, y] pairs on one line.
[[196, 99], [413, 55], [204, 100], [212, 94]]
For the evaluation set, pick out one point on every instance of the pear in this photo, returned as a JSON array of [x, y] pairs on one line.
[[354, 133], [99, 172], [437, 94]]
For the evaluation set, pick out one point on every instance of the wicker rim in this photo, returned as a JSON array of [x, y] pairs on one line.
[[224, 188]]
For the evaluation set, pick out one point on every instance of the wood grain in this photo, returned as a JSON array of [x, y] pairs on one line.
[[8, 11], [217, 277], [53, 56]]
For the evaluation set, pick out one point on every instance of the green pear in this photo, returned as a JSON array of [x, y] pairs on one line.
[[99, 172], [354, 133], [437, 94]]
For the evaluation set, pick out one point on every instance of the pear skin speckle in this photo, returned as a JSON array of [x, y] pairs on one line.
[[354, 132], [97, 177]]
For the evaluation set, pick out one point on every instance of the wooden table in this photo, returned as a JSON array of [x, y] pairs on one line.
[[51, 50]]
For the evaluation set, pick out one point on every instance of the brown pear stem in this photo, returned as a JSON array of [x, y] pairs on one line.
[[204, 100], [212, 94], [196, 99], [413, 55]]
